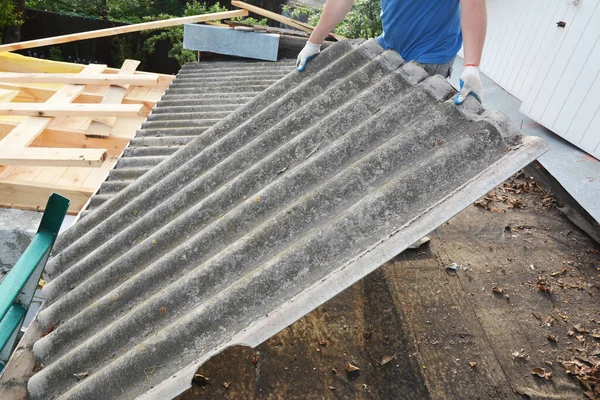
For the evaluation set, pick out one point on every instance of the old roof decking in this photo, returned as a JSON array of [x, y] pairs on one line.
[[275, 209], [200, 96]]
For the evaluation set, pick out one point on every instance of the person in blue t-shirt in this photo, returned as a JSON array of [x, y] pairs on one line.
[[428, 31]]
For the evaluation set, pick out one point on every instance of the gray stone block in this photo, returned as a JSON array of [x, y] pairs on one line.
[[261, 46]]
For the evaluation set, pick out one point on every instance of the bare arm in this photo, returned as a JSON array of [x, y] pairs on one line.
[[334, 12], [473, 21]]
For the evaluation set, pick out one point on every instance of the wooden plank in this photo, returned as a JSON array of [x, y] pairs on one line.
[[21, 194], [72, 110], [122, 29], [49, 156], [8, 95], [101, 127], [29, 129], [85, 79], [7, 126], [276, 17]]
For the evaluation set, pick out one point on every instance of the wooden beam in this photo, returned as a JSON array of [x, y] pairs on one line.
[[7, 126], [101, 127], [29, 129], [71, 110], [122, 29], [34, 195], [85, 79], [8, 95], [276, 17], [32, 94], [49, 157]]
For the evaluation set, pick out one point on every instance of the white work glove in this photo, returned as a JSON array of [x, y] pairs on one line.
[[309, 51], [470, 83]]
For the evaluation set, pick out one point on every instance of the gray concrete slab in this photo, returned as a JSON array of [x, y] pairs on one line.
[[216, 39]]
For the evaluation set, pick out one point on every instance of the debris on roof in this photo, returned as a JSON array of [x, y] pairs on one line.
[[269, 213]]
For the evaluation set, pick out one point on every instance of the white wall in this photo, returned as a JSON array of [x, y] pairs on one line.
[[555, 71]]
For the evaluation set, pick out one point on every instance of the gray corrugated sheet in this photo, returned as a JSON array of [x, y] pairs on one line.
[[201, 94], [272, 211]]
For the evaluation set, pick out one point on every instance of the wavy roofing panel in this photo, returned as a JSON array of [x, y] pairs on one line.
[[218, 88], [293, 197]]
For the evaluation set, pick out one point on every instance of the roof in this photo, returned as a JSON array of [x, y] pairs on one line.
[[201, 95], [272, 211]]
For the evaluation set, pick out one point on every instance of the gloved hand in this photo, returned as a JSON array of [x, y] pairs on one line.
[[309, 51], [470, 83]]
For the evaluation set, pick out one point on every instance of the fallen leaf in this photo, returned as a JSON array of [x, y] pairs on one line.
[[536, 315], [543, 284], [201, 380], [542, 373], [254, 360], [49, 329], [351, 367], [580, 329], [473, 364], [548, 363], [227, 384], [496, 289], [331, 388], [386, 359], [552, 338]]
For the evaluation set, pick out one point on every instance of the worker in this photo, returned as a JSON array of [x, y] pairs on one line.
[[428, 31]]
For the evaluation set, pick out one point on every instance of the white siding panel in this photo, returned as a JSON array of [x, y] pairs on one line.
[[554, 63], [574, 79], [549, 34], [522, 30], [565, 95]]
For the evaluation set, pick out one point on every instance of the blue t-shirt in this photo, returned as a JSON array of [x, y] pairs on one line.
[[427, 31]]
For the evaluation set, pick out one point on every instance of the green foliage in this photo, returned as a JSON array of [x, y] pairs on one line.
[[55, 54], [363, 20], [250, 21], [9, 16]]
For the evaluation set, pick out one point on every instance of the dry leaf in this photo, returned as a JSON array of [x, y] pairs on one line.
[[226, 384], [351, 367], [200, 379], [386, 359], [496, 289], [552, 338], [473, 364], [542, 373]]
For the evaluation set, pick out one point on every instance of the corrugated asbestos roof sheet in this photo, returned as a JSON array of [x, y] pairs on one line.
[[200, 96], [298, 194]]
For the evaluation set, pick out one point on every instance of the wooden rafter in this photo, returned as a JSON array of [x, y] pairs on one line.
[[86, 79], [101, 127], [28, 94], [277, 17], [71, 110], [25, 194], [122, 29], [13, 147]]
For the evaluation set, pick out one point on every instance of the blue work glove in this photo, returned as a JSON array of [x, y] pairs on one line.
[[470, 83], [309, 51]]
